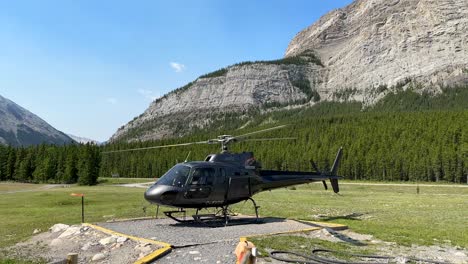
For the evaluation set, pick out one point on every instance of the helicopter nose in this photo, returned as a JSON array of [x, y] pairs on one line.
[[160, 194], [153, 194]]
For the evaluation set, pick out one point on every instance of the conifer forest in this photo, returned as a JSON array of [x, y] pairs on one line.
[[407, 136]]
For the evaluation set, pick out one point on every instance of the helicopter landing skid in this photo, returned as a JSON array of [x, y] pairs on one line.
[[224, 213], [170, 215]]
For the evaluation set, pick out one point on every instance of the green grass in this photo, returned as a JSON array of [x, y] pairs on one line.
[[391, 213], [19, 261], [110, 181], [15, 186], [21, 213]]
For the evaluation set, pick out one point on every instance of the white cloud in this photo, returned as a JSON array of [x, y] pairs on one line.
[[148, 94], [178, 67], [112, 100]]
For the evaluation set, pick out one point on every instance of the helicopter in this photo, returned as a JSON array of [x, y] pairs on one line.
[[225, 178]]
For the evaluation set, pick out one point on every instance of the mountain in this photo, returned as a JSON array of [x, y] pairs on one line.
[[19, 127], [362, 52], [83, 140]]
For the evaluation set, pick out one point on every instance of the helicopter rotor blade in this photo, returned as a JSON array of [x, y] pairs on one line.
[[158, 147], [269, 139], [260, 131]]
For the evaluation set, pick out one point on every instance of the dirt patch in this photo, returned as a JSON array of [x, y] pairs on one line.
[[441, 253], [90, 244]]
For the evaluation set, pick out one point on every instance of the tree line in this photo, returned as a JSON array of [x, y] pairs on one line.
[[405, 137], [51, 164]]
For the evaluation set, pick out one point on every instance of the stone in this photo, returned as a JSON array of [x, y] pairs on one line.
[[55, 242], [196, 258], [121, 239], [107, 240], [194, 252], [72, 230], [116, 246], [86, 246], [58, 228], [36, 231], [98, 257]]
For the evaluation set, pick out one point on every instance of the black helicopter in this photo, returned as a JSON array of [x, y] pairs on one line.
[[226, 178]]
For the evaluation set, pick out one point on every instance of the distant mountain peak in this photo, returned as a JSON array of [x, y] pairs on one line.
[[19, 127], [83, 140]]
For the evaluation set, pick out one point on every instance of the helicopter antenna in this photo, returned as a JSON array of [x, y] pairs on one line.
[[188, 155]]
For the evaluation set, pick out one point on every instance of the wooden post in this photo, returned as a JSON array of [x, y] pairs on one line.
[[72, 258], [82, 204], [82, 209]]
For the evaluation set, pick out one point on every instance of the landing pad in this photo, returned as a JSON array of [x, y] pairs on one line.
[[196, 242]]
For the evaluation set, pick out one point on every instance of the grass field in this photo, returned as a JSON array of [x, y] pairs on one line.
[[12, 186], [110, 181], [389, 212]]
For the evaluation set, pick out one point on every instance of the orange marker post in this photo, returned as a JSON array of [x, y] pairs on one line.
[[82, 204]]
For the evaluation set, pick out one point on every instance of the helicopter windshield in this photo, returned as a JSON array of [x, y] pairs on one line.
[[177, 176]]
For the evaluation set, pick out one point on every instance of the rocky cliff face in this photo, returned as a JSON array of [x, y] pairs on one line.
[[19, 127], [383, 42], [234, 89], [353, 53]]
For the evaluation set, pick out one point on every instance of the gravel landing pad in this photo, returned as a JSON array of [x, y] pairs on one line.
[[197, 243], [183, 234]]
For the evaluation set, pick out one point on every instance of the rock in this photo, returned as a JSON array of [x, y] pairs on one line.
[[107, 240], [194, 252], [401, 260], [196, 258], [369, 43], [58, 228], [73, 230], [86, 246], [98, 257], [55, 242], [36, 231], [116, 246], [121, 239]]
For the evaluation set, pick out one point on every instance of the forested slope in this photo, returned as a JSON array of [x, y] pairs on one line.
[[408, 136]]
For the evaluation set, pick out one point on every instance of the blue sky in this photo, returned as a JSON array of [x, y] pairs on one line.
[[88, 67]]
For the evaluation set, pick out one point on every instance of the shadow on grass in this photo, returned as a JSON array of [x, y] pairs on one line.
[[353, 216]]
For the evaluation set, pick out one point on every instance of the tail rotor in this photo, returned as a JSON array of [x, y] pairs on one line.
[[332, 174]]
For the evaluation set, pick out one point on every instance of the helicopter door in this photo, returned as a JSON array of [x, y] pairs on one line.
[[201, 183]]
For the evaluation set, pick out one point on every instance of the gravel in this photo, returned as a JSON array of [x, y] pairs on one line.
[[196, 243], [182, 235], [54, 246]]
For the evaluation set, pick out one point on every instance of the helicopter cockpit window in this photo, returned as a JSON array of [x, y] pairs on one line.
[[203, 176], [177, 176]]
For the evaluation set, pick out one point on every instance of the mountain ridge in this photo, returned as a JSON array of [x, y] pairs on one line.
[[20, 127], [361, 52]]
